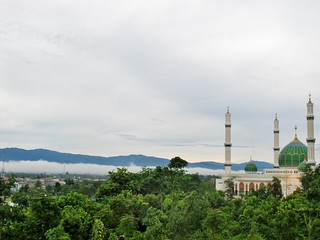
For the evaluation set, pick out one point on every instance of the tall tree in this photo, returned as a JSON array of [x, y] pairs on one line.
[[311, 184], [177, 162], [276, 187], [230, 187]]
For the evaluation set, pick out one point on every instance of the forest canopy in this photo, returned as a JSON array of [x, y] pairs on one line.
[[158, 203]]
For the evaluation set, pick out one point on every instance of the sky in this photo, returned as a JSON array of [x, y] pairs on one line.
[[148, 77]]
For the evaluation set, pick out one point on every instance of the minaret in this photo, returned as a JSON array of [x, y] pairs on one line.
[[276, 147], [227, 144], [310, 137]]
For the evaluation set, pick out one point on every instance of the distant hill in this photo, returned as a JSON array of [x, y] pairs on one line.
[[18, 154]]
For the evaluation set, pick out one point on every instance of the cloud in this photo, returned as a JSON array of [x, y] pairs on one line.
[[110, 78]]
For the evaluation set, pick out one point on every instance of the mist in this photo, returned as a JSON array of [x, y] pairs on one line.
[[43, 166]]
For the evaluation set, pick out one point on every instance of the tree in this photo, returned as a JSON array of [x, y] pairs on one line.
[[262, 193], [57, 187], [298, 218], [177, 162], [154, 220], [307, 178], [69, 181], [74, 199], [276, 187], [119, 181], [113, 236], [24, 188], [230, 188], [76, 222], [38, 184], [57, 233], [98, 230], [21, 198], [5, 186], [311, 184], [12, 219], [43, 214], [127, 226]]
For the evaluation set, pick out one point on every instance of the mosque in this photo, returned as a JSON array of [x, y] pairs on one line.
[[289, 163]]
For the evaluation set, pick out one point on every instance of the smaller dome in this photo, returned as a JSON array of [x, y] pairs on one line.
[[303, 166], [250, 167]]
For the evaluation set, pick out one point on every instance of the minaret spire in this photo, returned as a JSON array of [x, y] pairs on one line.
[[276, 148], [310, 132], [227, 144]]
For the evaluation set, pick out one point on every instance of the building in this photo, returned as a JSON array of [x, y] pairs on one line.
[[289, 163]]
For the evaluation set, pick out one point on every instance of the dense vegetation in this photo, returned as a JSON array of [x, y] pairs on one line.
[[159, 203]]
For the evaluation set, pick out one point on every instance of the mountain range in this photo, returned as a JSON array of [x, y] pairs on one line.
[[18, 154]]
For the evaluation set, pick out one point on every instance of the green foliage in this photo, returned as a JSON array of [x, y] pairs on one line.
[[57, 187], [20, 198], [57, 233], [69, 181], [5, 186], [119, 181], [127, 226], [41, 214], [113, 236], [76, 222], [177, 162], [230, 188], [307, 178], [98, 230], [38, 184], [276, 187], [311, 184], [74, 199], [160, 204]]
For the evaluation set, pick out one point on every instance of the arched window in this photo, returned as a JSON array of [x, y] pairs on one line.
[[251, 187], [241, 187]]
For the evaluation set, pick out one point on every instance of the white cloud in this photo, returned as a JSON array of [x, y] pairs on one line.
[[155, 77]]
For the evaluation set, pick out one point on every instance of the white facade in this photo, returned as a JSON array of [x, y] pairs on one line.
[[246, 182], [252, 181]]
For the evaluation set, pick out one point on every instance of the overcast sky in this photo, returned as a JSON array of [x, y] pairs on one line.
[[155, 77]]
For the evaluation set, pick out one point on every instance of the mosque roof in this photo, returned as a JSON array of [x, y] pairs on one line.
[[250, 167], [293, 154]]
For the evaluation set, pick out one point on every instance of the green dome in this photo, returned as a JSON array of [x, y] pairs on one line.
[[250, 167], [303, 167], [293, 154]]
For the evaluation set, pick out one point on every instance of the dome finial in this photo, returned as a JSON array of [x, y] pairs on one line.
[[295, 132], [310, 97], [251, 167]]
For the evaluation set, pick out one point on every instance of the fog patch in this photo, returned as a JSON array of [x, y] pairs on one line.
[[205, 171], [43, 166]]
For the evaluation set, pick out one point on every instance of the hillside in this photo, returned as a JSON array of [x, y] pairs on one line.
[[18, 154]]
